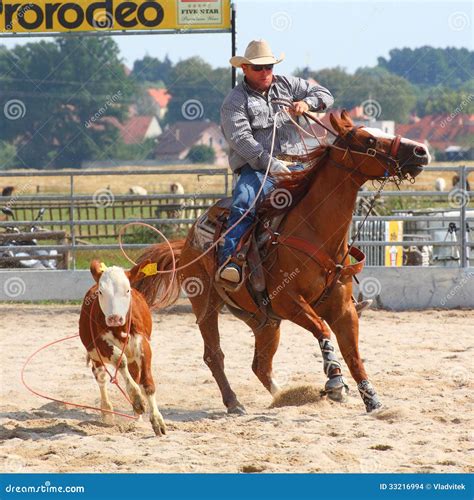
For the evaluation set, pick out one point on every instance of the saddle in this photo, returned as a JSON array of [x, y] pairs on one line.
[[248, 255]]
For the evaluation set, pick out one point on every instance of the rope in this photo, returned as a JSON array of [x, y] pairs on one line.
[[216, 243], [49, 398]]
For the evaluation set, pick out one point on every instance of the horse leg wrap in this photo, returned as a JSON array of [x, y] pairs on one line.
[[336, 382], [369, 396], [331, 364]]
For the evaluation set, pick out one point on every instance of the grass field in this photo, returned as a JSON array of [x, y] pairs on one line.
[[85, 183], [156, 183]]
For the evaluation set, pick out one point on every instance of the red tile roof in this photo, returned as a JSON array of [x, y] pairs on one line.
[[181, 136], [440, 131], [160, 96], [133, 130]]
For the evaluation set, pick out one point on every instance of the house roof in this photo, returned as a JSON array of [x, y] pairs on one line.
[[182, 135], [134, 129], [440, 131], [160, 96]]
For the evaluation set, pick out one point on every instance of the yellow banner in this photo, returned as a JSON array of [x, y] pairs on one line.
[[394, 254], [41, 16]]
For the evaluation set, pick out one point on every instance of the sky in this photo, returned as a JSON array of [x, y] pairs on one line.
[[318, 34]]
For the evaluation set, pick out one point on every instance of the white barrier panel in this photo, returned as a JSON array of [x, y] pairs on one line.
[[399, 289]]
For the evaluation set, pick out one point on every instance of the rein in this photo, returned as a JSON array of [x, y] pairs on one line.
[[333, 269]]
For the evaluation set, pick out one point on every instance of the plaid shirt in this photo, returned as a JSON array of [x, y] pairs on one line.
[[247, 119]]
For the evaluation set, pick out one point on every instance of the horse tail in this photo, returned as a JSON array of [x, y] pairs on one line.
[[162, 289]]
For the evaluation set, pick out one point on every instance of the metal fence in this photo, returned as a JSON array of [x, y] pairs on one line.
[[94, 226], [92, 222]]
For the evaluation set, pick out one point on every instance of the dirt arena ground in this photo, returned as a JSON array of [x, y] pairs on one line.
[[420, 362]]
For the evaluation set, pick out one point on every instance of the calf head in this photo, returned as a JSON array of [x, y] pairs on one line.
[[115, 290]]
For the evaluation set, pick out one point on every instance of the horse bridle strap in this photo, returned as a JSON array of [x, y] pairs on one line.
[[321, 257], [392, 169]]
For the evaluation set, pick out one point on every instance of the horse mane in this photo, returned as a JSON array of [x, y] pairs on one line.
[[294, 185]]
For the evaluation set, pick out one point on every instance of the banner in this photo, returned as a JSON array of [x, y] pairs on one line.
[[42, 16], [394, 254]]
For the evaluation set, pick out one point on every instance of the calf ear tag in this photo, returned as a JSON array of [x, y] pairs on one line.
[[103, 267], [150, 269]]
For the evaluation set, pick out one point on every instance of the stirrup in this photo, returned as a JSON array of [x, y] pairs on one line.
[[363, 305], [230, 273], [229, 277]]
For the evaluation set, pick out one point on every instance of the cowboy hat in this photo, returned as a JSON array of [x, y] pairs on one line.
[[257, 52]]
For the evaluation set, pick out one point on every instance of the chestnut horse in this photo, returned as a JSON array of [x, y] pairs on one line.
[[323, 197]]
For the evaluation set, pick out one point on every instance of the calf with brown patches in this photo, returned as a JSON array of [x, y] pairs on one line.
[[109, 309]]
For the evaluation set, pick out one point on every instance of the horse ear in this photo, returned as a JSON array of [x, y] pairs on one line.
[[96, 269], [336, 125], [346, 118], [137, 272]]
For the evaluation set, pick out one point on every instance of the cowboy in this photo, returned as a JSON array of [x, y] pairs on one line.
[[247, 120]]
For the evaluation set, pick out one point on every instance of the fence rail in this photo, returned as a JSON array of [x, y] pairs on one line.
[[91, 224]]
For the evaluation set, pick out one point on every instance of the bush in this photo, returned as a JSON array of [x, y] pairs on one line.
[[201, 154], [7, 156]]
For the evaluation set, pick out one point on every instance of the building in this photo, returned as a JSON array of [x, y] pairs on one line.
[[175, 142], [444, 134], [139, 128], [160, 99]]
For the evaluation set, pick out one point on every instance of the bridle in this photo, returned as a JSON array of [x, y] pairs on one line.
[[390, 161]]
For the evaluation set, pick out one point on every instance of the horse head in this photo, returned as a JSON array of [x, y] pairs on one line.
[[114, 290], [375, 154]]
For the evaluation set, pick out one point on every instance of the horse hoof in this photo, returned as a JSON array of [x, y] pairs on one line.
[[337, 389], [375, 407], [338, 395], [238, 409]]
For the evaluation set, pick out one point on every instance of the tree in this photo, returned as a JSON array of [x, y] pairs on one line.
[[428, 66], [337, 80], [151, 69], [383, 95], [201, 154], [197, 91], [7, 155], [61, 93], [388, 96]]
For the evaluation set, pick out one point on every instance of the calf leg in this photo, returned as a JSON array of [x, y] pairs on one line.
[[133, 389], [100, 375], [148, 385]]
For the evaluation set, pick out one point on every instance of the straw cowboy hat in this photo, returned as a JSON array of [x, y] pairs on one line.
[[257, 52]]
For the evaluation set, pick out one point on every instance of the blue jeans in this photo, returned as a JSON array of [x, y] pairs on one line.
[[244, 194]]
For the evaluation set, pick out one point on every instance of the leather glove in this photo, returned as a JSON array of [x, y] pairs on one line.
[[279, 167]]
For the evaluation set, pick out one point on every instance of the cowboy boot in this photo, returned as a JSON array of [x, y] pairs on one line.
[[363, 305], [230, 272]]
